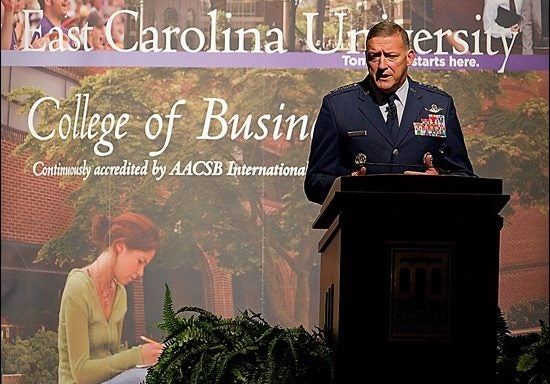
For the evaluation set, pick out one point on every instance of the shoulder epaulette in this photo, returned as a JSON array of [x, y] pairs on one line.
[[433, 88], [343, 88]]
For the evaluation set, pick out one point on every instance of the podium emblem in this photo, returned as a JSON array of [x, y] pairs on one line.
[[419, 308]]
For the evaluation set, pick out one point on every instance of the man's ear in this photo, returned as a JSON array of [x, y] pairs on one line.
[[410, 57]]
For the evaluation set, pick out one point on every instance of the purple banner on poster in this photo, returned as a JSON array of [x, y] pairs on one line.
[[289, 60]]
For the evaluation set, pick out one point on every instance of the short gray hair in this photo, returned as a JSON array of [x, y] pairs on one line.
[[388, 28]]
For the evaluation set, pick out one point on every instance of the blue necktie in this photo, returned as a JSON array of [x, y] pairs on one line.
[[391, 122]]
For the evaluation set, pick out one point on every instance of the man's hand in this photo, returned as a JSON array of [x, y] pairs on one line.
[[428, 163], [361, 172]]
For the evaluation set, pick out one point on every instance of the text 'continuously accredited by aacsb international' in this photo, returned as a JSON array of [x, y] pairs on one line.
[[158, 170]]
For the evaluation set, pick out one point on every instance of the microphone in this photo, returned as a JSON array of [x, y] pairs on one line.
[[444, 165]]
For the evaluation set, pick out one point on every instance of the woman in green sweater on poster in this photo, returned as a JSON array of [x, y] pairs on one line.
[[94, 303]]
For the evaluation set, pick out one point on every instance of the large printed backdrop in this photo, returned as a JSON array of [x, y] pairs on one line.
[[215, 154]]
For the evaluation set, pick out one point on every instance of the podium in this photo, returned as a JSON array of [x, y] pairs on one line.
[[409, 277]]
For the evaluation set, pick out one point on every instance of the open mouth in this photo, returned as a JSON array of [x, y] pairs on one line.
[[383, 76]]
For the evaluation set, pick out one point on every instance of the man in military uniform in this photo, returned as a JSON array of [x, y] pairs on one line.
[[387, 123]]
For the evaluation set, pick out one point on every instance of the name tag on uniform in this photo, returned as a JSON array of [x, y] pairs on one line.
[[356, 133], [433, 126]]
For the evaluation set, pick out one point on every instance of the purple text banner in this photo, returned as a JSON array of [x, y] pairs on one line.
[[290, 60]]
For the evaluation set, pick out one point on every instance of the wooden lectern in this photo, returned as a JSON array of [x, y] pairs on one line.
[[409, 278]]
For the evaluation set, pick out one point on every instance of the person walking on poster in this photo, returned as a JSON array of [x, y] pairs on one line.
[[501, 18], [531, 29], [387, 123], [94, 304]]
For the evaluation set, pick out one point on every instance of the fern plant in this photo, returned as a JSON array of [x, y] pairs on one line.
[[522, 359], [202, 348], [534, 363]]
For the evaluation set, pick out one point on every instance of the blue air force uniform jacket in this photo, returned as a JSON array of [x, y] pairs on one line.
[[350, 123]]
